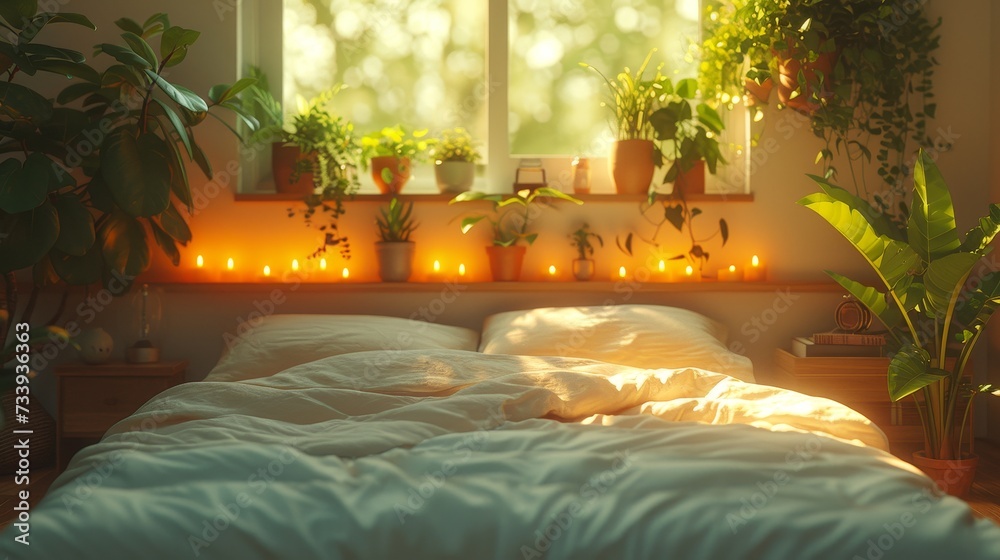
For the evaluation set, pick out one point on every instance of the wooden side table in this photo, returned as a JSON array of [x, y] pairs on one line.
[[92, 398], [861, 384]]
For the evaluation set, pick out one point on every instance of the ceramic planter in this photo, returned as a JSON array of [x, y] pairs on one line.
[[631, 165], [953, 476], [395, 260], [95, 346], [758, 94], [505, 262], [691, 181], [788, 79], [583, 269], [400, 169], [283, 160], [454, 176]]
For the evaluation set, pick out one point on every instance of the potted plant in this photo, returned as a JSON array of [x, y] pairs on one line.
[[632, 100], [317, 145], [583, 265], [511, 216], [688, 137], [935, 301], [864, 81], [394, 248], [392, 152], [455, 158]]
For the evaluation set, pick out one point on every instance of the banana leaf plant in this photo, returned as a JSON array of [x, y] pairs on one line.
[[936, 295], [91, 179], [511, 214]]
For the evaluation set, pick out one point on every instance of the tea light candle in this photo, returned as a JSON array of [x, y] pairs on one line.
[[731, 274], [200, 273], [345, 274], [461, 272], [552, 272], [435, 274], [621, 273], [691, 275], [230, 274], [265, 275], [295, 265], [322, 265], [756, 272], [662, 272]]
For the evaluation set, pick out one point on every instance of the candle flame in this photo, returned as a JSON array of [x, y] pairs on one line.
[[732, 268], [230, 264], [295, 265], [461, 270], [689, 270], [663, 266], [345, 273], [437, 267], [200, 261], [755, 261], [322, 264], [621, 272], [267, 271], [552, 270]]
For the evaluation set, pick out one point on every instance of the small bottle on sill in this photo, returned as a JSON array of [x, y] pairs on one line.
[[581, 176]]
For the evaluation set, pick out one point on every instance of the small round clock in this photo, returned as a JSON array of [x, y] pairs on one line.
[[852, 316]]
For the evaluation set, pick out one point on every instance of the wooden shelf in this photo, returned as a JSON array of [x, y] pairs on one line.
[[507, 287], [438, 197]]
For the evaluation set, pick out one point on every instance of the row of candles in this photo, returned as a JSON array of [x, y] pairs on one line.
[[754, 271]]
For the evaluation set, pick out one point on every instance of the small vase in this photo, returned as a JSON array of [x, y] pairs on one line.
[[583, 269], [953, 476], [399, 169], [395, 260], [284, 158], [96, 346], [505, 262], [454, 176], [631, 165]]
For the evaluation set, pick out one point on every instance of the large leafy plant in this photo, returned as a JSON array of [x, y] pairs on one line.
[[97, 175], [687, 135], [632, 99], [935, 298], [511, 215]]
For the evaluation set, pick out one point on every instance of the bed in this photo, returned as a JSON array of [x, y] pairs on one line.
[[625, 432]]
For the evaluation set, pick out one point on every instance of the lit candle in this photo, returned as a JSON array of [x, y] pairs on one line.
[[266, 274], [663, 273], [756, 272], [345, 274], [200, 262], [621, 273], [461, 271], [691, 275], [731, 274], [230, 274], [322, 265], [435, 274], [200, 274], [295, 265]]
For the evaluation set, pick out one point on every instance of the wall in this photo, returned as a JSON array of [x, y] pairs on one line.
[[796, 244]]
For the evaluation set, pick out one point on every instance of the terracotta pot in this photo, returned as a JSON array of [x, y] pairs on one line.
[[631, 165], [788, 79], [395, 260], [758, 94], [454, 176], [583, 269], [400, 169], [505, 262], [953, 476], [691, 181], [284, 158]]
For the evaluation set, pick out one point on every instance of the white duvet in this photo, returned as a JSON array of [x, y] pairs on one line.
[[453, 454]]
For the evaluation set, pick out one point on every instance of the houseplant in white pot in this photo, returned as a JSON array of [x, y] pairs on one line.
[[455, 158], [583, 265], [394, 248], [937, 296], [510, 218]]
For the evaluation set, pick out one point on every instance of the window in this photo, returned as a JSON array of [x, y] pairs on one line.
[[424, 64]]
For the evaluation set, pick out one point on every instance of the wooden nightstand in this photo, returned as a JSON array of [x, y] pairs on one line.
[[91, 399], [861, 384]]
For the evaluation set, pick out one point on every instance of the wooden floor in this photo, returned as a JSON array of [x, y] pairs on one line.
[[985, 495]]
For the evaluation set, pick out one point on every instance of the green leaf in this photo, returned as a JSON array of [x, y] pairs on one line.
[[982, 235], [873, 299], [202, 160], [46, 52], [74, 92], [179, 184], [140, 47], [125, 56], [82, 270], [944, 280], [910, 370], [69, 70], [67, 17], [723, 231], [25, 187], [173, 224], [674, 214], [179, 127], [166, 244], [76, 226], [129, 25], [548, 192], [931, 229], [16, 11], [468, 223], [123, 244], [687, 88], [30, 236], [224, 92], [877, 220], [175, 42], [710, 118], [137, 172], [100, 195], [19, 102], [180, 95]]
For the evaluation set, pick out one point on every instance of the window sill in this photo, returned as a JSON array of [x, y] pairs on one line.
[[438, 197]]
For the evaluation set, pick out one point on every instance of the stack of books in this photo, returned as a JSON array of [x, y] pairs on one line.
[[839, 344]]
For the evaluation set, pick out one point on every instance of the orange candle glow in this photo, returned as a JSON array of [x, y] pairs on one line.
[[756, 272], [200, 262], [295, 265], [731, 274], [691, 275], [662, 266], [622, 272], [230, 264], [461, 270], [437, 267], [345, 274], [322, 264], [552, 270], [267, 271]]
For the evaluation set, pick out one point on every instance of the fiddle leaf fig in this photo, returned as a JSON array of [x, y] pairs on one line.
[[123, 244], [137, 172], [76, 226]]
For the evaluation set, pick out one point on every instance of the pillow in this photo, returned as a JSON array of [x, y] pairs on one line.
[[279, 342], [643, 336]]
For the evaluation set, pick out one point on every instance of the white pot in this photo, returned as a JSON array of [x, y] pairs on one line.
[[95, 346], [455, 176], [395, 260]]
